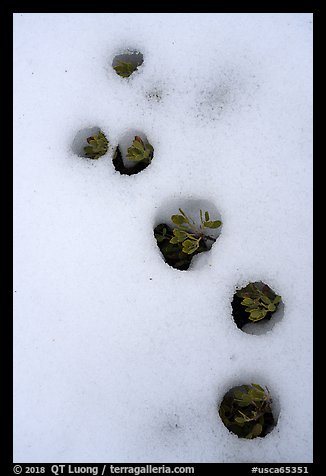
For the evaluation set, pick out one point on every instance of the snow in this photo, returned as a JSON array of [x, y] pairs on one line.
[[117, 356]]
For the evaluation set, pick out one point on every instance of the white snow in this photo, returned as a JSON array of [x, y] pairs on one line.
[[117, 356]]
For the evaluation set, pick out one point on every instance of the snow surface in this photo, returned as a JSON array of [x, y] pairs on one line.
[[117, 356]]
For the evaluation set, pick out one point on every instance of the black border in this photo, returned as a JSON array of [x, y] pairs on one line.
[[57, 7]]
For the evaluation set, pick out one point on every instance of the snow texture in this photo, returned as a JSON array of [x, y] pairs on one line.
[[117, 356]]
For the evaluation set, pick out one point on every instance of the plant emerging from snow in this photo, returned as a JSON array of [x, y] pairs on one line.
[[140, 151], [189, 234], [181, 243], [98, 146], [258, 302], [246, 411], [125, 69]]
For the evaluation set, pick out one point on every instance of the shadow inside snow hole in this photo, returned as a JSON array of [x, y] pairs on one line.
[[133, 154], [187, 232], [256, 296]]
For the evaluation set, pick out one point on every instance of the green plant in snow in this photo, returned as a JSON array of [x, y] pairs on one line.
[[139, 154], [178, 245], [189, 234], [97, 146], [125, 69], [258, 302], [172, 252], [140, 151], [246, 411]]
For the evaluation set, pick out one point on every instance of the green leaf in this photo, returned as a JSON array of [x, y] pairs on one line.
[[192, 237], [189, 246], [206, 216], [251, 308], [98, 146], [239, 420], [238, 394], [178, 219], [135, 153], [256, 393], [159, 238], [174, 240], [257, 429], [258, 387], [212, 224], [180, 235], [277, 299], [244, 402], [247, 301], [183, 213], [138, 145], [139, 151], [265, 299], [124, 69], [256, 315], [271, 307]]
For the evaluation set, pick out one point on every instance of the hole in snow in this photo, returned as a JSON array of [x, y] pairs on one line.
[[90, 143], [247, 411], [186, 229], [256, 308], [126, 63], [133, 154]]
